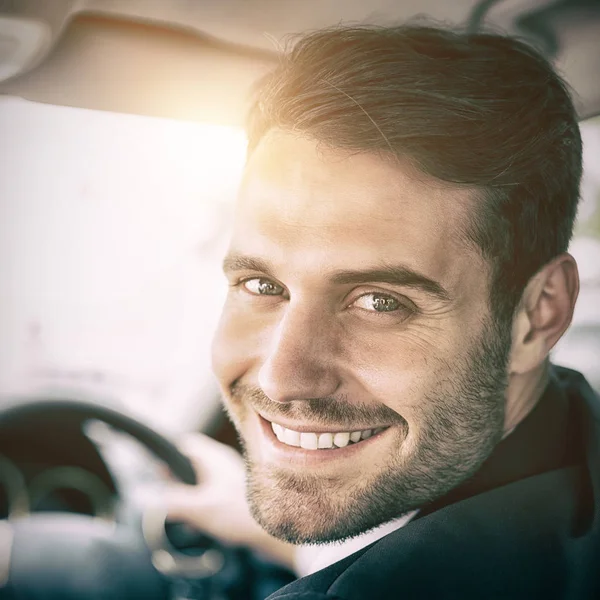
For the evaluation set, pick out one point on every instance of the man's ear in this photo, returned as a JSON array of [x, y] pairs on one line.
[[544, 314]]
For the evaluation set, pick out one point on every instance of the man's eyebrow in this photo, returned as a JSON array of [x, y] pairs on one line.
[[240, 262], [394, 275]]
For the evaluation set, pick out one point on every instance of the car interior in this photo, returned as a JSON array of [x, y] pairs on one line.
[[121, 146]]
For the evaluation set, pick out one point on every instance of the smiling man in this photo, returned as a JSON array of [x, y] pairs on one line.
[[357, 354], [398, 275]]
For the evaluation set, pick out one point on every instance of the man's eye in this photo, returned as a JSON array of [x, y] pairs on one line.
[[262, 287], [380, 303]]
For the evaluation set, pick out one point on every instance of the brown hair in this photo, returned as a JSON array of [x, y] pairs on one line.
[[481, 110]]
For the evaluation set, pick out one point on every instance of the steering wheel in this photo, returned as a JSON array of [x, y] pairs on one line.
[[66, 556]]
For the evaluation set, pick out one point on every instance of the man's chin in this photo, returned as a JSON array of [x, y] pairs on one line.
[[307, 510], [291, 521]]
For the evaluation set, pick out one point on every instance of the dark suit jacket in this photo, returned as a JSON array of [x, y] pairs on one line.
[[526, 526]]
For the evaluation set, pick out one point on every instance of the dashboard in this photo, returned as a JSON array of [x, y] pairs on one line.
[[38, 487], [50, 468], [90, 469]]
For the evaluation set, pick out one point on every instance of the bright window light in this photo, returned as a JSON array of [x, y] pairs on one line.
[[112, 228]]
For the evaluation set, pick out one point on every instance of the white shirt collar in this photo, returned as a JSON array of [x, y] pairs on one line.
[[312, 558]]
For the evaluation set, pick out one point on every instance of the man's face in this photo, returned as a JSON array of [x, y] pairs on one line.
[[356, 352]]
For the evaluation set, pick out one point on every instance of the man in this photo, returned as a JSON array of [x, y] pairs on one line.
[[398, 275]]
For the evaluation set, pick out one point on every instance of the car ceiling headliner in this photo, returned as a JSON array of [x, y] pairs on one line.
[[196, 60], [259, 23]]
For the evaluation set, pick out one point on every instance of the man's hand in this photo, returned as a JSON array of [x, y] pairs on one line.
[[217, 505]]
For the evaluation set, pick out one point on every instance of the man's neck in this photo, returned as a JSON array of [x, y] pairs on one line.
[[523, 393], [542, 441]]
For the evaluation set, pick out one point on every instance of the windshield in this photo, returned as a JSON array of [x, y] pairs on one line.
[[111, 231], [112, 228]]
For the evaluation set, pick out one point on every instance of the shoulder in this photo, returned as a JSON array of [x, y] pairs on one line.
[[514, 542]]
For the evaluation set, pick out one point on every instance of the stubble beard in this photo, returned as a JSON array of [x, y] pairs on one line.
[[461, 422]]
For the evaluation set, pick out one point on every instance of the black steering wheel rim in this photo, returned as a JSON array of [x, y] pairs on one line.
[[14, 410], [64, 556], [46, 554]]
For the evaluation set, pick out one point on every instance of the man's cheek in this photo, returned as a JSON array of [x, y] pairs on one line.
[[238, 345], [406, 380], [394, 370]]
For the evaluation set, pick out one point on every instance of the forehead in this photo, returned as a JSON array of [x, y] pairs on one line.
[[340, 207]]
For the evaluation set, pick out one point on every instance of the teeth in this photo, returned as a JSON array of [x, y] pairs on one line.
[[278, 431], [341, 439], [326, 440], [314, 441], [291, 438], [309, 441]]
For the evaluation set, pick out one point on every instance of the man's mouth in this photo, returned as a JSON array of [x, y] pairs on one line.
[[323, 440]]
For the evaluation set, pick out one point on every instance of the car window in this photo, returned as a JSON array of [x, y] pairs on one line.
[[112, 227], [111, 232], [580, 347]]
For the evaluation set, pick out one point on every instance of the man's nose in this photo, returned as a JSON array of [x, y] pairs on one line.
[[300, 360]]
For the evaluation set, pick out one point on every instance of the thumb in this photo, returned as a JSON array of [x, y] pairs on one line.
[[212, 460], [186, 503]]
